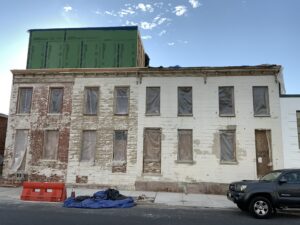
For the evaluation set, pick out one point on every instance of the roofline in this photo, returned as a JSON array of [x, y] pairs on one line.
[[88, 28], [3, 115], [202, 71], [290, 96]]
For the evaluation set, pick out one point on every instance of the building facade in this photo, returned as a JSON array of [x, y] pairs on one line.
[[290, 119], [172, 129], [89, 111]]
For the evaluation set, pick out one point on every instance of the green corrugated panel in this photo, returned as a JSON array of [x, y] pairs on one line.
[[91, 54], [36, 56], [82, 48], [72, 52], [54, 54]]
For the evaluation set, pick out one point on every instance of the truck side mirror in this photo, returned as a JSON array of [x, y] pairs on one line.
[[282, 180]]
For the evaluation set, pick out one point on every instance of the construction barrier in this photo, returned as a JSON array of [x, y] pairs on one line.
[[44, 191]]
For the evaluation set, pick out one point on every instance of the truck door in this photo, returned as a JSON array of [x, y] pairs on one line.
[[289, 191]]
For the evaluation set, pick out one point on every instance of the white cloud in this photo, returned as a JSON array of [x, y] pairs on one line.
[[147, 37], [180, 10], [148, 26], [171, 43], [111, 13], [125, 12], [131, 23], [160, 20], [145, 7], [195, 3], [162, 32], [68, 8]]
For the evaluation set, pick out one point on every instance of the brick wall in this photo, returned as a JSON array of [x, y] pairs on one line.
[[37, 122]]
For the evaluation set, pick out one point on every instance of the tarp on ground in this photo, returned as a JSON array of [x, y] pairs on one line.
[[109, 198]]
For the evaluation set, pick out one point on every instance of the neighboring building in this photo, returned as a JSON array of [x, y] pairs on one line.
[[3, 126], [290, 119], [172, 129]]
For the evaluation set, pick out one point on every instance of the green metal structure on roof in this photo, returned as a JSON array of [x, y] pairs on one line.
[[104, 47]]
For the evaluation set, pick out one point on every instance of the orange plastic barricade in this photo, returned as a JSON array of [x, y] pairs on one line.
[[44, 191]]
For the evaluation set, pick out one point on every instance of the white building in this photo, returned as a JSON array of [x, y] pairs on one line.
[[290, 119], [174, 129]]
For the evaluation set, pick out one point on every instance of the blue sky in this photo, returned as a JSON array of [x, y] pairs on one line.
[[177, 32]]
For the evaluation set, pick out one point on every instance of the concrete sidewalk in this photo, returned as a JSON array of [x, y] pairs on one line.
[[142, 197]]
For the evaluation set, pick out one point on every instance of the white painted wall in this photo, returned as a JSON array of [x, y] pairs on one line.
[[289, 106], [206, 124]]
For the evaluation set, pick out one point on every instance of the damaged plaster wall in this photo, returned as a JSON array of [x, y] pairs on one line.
[[291, 145], [102, 170], [206, 125], [37, 122]]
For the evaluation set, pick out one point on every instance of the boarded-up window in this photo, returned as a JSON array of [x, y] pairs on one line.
[[91, 100], [185, 145], [227, 140], [152, 150], [89, 138], [120, 151], [121, 100], [21, 140], [25, 96], [261, 101], [56, 100], [226, 101], [153, 100], [185, 101], [51, 144], [298, 126]]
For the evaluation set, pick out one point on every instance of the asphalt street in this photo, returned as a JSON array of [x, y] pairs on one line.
[[54, 214]]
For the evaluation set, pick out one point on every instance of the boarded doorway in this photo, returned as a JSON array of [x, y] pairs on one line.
[[263, 152], [152, 150]]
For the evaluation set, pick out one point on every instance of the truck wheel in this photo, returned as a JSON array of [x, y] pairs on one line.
[[242, 207], [260, 207]]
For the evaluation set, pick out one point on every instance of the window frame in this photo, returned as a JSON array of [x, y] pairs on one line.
[[268, 114], [188, 161], [115, 101], [185, 114], [84, 101], [153, 114], [233, 102], [81, 147], [50, 100], [114, 146], [18, 101], [234, 161], [44, 146]]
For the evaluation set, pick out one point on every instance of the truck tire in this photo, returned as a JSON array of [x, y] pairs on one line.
[[260, 207]]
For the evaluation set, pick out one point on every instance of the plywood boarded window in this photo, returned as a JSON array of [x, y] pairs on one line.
[[261, 101], [185, 145], [120, 151], [227, 142], [56, 100], [121, 100], [24, 101], [51, 144], [185, 101], [152, 100], [152, 150], [91, 100], [226, 101], [298, 127], [89, 139], [21, 141]]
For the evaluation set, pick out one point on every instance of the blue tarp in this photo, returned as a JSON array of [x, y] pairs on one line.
[[101, 199]]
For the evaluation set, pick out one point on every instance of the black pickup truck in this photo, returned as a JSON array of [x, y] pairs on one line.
[[278, 189]]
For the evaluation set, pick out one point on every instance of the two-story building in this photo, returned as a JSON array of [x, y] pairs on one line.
[[99, 119]]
